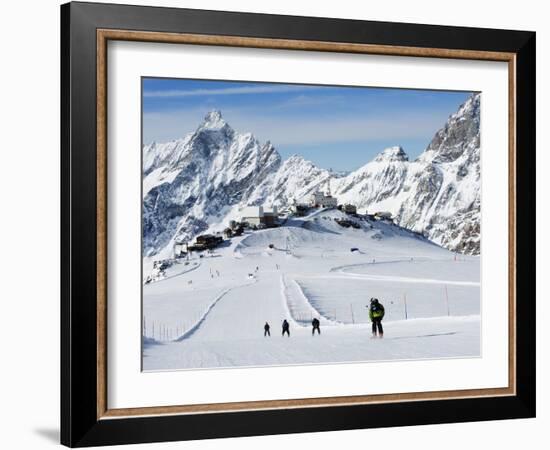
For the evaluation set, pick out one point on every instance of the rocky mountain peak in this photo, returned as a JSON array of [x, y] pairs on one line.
[[461, 129], [392, 154], [213, 121], [295, 159]]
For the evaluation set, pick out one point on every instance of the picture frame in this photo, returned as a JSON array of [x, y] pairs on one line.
[[86, 418]]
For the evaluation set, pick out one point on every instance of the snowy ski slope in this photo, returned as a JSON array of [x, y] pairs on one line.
[[210, 312]]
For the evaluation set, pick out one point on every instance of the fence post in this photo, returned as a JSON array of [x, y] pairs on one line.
[[352, 316], [405, 301], [447, 300]]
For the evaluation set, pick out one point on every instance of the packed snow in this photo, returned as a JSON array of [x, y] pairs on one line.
[[209, 311]]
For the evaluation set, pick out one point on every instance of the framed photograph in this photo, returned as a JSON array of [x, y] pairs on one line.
[[276, 224]]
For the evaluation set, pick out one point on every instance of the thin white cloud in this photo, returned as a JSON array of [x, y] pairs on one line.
[[288, 130], [267, 89], [304, 100]]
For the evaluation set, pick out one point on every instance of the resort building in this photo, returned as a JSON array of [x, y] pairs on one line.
[[299, 209], [383, 215], [349, 209], [322, 200], [252, 215], [257, 215]]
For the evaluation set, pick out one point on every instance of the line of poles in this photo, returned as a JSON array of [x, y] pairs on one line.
[[163, 332]]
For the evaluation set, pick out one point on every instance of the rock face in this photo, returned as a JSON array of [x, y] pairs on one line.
[[201, 181], [191, 183], [438, 194]]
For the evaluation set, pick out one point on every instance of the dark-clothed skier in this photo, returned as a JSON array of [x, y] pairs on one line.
[[376, 314], [286, 328], [266, 330], [316, 324]]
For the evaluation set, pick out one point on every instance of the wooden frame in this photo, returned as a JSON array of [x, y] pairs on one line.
[[86, 418]]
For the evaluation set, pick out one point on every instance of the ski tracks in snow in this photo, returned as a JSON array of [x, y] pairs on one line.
[[359, 276], [342, 273], [298, 306], [207, 311]]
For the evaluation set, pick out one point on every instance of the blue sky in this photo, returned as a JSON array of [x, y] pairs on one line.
[[336, 127]]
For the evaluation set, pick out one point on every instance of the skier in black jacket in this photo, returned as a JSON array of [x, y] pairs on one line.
[[286, 328], [376, 314], [266, 330], [316, 324]]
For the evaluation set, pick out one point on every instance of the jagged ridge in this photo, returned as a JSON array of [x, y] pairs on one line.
[[203, 179]]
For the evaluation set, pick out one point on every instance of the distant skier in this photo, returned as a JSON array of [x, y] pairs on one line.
[[266, 330], [376, 314], [286, 328], [316, 324]]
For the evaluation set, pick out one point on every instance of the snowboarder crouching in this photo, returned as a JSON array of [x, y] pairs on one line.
[[376, 314], [286, 328], [316, 324], [266, 330]]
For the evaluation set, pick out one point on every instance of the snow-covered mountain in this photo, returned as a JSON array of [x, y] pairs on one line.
[[205, 178], [438, 194], [201, 181]]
